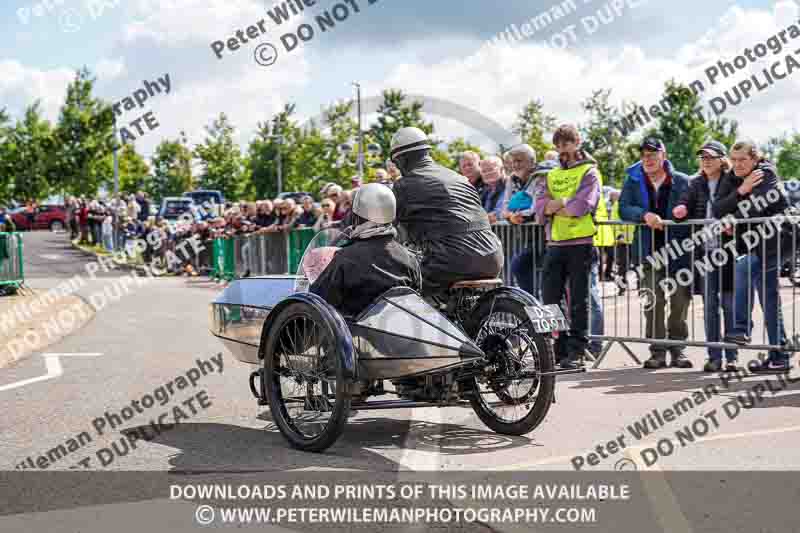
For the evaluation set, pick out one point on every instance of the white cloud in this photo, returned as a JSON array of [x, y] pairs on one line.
[[499, 82], [21, 85], [108, 69], [182, 21], [158, 38]]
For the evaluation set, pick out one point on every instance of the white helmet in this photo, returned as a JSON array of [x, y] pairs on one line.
[[375, 202], [407, 140]]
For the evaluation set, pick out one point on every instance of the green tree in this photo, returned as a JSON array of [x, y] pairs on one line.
[[262, 155], [5, 156], [533, 124], [83, 137], [134, 173], [220, 159], [788, 159], [172, 170], [323, 146], [684, 130], [395, 113], [452, 154], [603, 140], [724, 130], [28, 162]]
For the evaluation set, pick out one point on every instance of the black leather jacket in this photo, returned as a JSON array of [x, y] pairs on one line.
[[442, 214], [363, 270]]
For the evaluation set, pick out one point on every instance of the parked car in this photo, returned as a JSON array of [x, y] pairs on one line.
[[52, 217], [203, 196], [296, 196], [173, 207]]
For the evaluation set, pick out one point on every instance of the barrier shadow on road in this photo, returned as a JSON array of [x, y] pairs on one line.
[[728, 385], [638, 381], [204, 447]]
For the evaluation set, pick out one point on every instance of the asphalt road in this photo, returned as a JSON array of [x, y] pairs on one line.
[[156, 333]]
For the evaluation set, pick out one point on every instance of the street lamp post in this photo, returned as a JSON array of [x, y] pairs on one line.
[[360, 134], [279, 139], [115, 233]]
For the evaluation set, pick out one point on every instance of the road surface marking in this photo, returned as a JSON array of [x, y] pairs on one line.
[[54, 369], [662, 499]]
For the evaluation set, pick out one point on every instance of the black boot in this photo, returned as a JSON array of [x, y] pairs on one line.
[[679, 360], [657, 360]]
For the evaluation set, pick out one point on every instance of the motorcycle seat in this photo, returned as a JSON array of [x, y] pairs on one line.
[[489, 283]]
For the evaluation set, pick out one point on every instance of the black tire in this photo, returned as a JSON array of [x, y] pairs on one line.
[[301, 329], [56, 225], [523, 347]]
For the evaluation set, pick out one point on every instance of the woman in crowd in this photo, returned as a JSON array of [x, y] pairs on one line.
[[307, 217], [325, 220], [715, 286]]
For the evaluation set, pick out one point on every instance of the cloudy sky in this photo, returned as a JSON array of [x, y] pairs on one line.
[[435, 49]]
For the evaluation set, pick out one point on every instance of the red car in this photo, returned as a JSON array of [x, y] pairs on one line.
[[52, 217]]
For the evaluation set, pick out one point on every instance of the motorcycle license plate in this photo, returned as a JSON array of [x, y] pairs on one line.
[[547, 318]]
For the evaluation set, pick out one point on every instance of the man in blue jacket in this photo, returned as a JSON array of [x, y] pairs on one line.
[[652, 188]]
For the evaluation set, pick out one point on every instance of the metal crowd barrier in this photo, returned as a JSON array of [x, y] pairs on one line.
[[698, 267], [628, 295], [11, 266]]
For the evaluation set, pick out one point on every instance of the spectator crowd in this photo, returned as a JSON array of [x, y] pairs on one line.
[[561, 198]]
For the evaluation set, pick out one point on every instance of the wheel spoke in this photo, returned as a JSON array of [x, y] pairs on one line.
[[515, 397], [305, 384]]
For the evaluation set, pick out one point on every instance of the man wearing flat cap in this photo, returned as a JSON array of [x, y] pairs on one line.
[[652, 189]]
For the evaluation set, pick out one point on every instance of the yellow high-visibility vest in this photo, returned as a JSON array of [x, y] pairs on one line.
[[564, 183]]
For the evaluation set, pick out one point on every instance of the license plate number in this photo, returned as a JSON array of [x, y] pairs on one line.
[[547, 318]]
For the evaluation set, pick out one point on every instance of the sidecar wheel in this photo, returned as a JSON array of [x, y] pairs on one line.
[[306, 389], [506, 405]]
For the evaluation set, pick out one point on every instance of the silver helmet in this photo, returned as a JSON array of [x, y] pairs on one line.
[[407, 140], [375, 202]]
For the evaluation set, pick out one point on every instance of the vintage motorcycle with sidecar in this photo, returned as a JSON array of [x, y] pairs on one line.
[[488, 347]]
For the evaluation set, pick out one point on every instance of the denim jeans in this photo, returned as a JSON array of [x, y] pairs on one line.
[[527, 275], [713, 299], [750, 280], [595, 310]]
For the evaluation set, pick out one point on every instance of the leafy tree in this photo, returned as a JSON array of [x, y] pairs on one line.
[[788, 159], [28, 161], [134, 173], [724, 130], [395, 113], [221, 159], [684, 130], [83, 137], [603, 140], [172, 170], [532, 124], [340, 128], [262, 155], [5, 155], [452, 154]]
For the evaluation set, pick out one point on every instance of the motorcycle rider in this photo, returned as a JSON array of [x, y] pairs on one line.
[[442, 213], [370, 260]]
